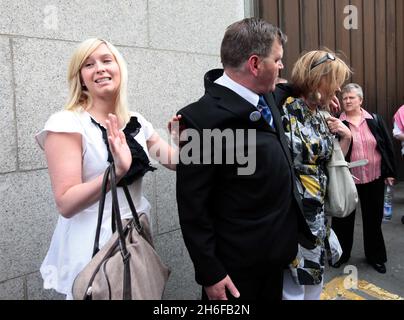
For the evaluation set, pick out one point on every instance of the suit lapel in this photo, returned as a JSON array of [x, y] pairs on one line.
[[233, 103], [279, 127]]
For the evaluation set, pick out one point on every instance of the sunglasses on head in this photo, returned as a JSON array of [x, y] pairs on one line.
[[327, 57]]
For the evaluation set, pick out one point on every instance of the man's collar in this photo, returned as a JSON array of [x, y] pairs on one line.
[[242, 91]]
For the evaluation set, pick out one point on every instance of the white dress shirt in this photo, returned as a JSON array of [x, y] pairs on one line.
[[242, 91]]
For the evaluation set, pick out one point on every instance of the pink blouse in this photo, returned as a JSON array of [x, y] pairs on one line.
[[364, 147]]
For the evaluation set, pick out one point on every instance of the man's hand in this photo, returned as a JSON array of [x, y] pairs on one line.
[[175, 128], [218, 290]]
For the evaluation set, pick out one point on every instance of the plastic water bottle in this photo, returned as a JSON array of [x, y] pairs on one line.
[[388, 203]]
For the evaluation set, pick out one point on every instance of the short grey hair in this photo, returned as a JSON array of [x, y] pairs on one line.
[[353, 87]]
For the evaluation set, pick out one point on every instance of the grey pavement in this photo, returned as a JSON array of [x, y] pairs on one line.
[[393, 231]]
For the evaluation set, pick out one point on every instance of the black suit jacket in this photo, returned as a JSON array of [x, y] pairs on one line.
[[231, 221]]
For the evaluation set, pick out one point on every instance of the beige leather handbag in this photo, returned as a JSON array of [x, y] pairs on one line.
[[127, 267]]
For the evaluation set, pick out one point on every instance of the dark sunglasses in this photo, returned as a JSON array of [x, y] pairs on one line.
[[327, 57]]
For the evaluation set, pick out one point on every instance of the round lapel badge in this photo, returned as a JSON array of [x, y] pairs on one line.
[[255, 116]]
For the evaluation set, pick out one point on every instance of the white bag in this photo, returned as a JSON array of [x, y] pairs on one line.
[[341, 194]]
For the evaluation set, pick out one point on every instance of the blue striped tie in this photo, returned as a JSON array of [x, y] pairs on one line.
[[265, 111]]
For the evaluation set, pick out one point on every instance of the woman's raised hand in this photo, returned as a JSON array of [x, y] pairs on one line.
[[118, 146]]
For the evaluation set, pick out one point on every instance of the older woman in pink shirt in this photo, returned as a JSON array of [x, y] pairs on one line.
[[370, 140]]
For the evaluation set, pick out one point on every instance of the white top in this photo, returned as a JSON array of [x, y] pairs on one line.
[[396, 132], [242, 91], [73, 239]]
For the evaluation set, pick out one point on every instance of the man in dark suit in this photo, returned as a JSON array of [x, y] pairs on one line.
[[241, 229]]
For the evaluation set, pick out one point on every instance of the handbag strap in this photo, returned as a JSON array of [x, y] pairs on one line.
[[338, 163], [117, 222], [358, 163], [117, 213], [116, 216], [100, 211], [101, 206], [135, 215], [127, 291]]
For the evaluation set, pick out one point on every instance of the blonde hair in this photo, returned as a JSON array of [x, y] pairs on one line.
[[307, 77], [79, 98]]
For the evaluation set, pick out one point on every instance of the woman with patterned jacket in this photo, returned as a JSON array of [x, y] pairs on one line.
[[317, 76]]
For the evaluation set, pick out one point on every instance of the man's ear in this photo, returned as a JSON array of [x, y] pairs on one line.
[[252, 64]]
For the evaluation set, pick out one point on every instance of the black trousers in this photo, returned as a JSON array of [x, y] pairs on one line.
[[256, 283], [371, 197]]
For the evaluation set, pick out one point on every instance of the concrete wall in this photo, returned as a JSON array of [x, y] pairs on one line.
[[168, 46]]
